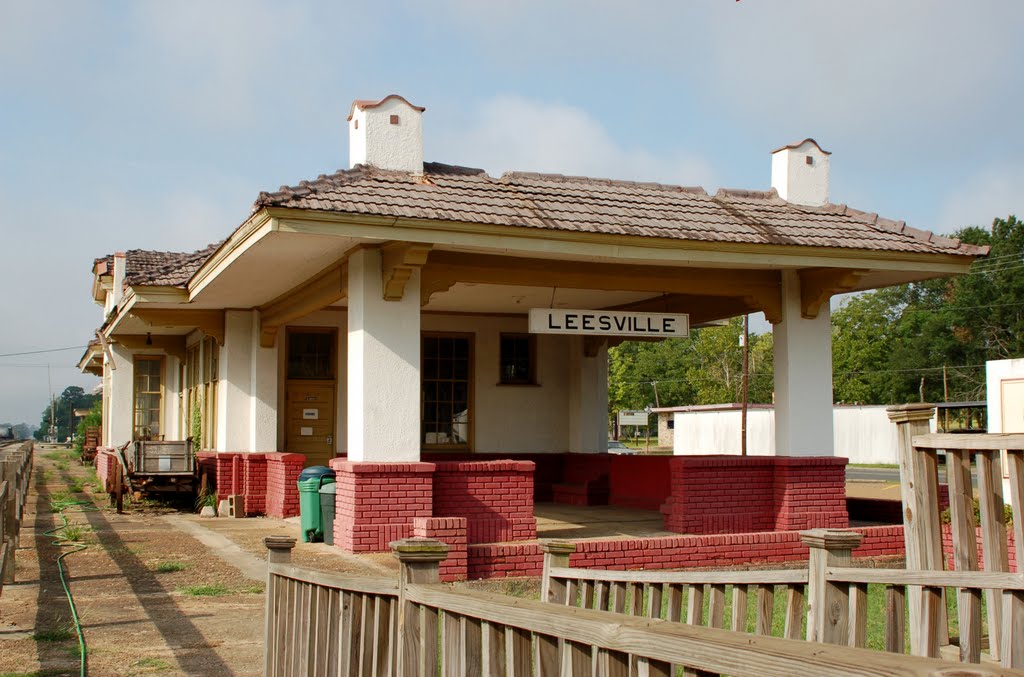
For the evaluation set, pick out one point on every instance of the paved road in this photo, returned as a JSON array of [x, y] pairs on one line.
[[892, 474]]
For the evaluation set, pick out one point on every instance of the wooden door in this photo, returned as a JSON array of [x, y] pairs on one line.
[[310, 423], [310, 394]]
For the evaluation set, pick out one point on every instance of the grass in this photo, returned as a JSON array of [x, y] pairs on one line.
[[876, 612], [255, 589], [74, 532], [60, 633], [76, 486], [152, 664], [170, 566], [215, 590]]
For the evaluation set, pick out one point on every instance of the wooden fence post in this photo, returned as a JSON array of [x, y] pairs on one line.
[[416, 644], [556, 554], [828, 604], [8, 472], [922, 535], [279, 551]]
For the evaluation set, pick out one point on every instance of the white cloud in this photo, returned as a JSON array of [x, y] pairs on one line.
[[990, 193], [512, 133]]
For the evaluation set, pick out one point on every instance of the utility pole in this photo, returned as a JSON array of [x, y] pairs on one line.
[[745, 340], [945, 385]]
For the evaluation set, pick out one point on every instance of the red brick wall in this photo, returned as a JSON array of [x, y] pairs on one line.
[[947, 548], [451, 531], [496, 498], [105, 461], [282, 483], [810, 493], [642, 482], [376, 503], [673, 552], [254, 469], [731, 494], [226, 474]]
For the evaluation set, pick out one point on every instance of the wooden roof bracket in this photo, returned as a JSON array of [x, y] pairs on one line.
[[398, 261], [326, 288], [210, 322], [818, 285]]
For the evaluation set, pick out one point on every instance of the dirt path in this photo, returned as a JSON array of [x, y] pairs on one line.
[[152, 599]]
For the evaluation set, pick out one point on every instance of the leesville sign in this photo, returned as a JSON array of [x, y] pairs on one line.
[[608, 323]]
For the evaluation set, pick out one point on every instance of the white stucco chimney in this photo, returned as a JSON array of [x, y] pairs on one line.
[[119, 271], [800, 173], [386, 134]]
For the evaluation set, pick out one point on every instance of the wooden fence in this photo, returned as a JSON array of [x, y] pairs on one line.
[[328, 624], [15, 473]]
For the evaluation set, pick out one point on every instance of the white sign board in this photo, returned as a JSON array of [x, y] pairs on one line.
[[608, 323], [632, 417], [311, 414]]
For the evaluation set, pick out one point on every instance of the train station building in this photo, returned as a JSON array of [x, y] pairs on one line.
[[440, 337]]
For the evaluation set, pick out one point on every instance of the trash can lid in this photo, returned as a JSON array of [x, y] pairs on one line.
[[331, 488], [316, 471]]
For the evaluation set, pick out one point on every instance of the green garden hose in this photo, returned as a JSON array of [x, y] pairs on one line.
[[64, 541]]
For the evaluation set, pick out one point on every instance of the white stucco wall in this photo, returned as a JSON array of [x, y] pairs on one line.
[[373, 140], [234, 408], [803, 376], [122, 387], [383, 365], [1005, 395], [588, 398], [862, 434], [515, 418]]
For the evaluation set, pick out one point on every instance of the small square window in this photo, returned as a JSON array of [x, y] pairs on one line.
[[671, 424], [809, 160], [394, 119], [518, 359]]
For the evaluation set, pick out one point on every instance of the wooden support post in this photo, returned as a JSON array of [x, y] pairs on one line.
[[6, 528], [556, 554], [416, 642], [828, 604], [10, 517], [919, 490], [279, 551]]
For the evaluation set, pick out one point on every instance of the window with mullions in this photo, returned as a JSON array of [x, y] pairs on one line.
[[149, 393], [517, 362], [446, 374]]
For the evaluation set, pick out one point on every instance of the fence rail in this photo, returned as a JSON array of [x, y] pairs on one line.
[[326, 624], [15, 474]]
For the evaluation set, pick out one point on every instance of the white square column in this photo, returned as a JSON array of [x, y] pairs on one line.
[[235, 382], [588, 398], [383, 365], [803, 377], [247, 388], [119, 427]]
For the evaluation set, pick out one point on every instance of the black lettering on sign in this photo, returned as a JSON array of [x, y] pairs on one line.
[[570, 321], [588, 321], [551, 322], [667, 325], [605, 323]]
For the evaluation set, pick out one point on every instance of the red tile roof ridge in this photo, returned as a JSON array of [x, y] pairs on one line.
[[770, 194], [511, 177]]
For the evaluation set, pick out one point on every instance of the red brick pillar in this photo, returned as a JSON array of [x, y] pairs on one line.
[[376, 503], [496, 498], [452, 532], [810, 493], [254, 487], [720, 495], [225, 473], [282, 484]]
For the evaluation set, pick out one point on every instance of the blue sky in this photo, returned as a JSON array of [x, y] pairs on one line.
[[155, 124]]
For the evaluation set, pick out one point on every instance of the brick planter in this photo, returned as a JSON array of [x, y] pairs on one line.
[[452, 532], [376, 503], [254, 484], [495, 497], [282, 484], [731, 494]]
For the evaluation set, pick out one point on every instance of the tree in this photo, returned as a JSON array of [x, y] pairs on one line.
[[62, 411]]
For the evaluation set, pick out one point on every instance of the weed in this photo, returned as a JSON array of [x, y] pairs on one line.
[[153, 664], [76, 486], [63, 466], [59, 496], [60, 633], [74, 532], [215, 590], [255, 589], [170, 567], [206, 498], [47, 476]]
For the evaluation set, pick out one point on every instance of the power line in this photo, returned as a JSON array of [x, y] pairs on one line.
[[39, 352]]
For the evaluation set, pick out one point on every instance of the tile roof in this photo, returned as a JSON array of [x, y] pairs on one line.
[[587, 205], [160, 269]]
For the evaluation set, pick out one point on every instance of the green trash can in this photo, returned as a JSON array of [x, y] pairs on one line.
[[310, 481], [327, 494]]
